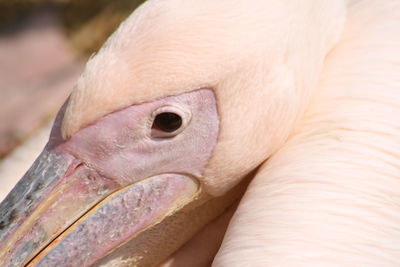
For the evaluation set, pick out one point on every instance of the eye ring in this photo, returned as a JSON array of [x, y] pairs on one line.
[[169, 121]]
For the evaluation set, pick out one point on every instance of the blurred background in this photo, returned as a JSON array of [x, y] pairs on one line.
[[44, 45]]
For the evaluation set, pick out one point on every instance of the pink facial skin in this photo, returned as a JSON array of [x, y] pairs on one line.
[[119, 150], [121, 147]]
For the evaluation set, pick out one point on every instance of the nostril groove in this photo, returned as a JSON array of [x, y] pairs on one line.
[[3, 224], [13, 216]]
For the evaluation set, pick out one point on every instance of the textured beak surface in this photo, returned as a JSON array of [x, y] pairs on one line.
[[54, 193], [59, 191], [88, 195], [117, 219]]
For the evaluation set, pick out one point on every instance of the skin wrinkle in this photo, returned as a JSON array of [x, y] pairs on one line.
[[322, 198], [165, 50], [122, 165]]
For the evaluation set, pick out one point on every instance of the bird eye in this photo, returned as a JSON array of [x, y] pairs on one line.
[[167, 122]]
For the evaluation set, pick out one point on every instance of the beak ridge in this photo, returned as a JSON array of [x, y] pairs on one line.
[[22, 201]]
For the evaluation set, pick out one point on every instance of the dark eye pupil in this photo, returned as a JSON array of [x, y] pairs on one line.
[[167, 122]]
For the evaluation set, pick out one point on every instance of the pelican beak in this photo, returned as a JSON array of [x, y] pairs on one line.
[[63, 210], [87, 195]]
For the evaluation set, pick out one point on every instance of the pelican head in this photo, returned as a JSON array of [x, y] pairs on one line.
[[182, 102]]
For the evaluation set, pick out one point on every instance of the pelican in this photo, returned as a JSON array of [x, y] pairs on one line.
[[185, 103]]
